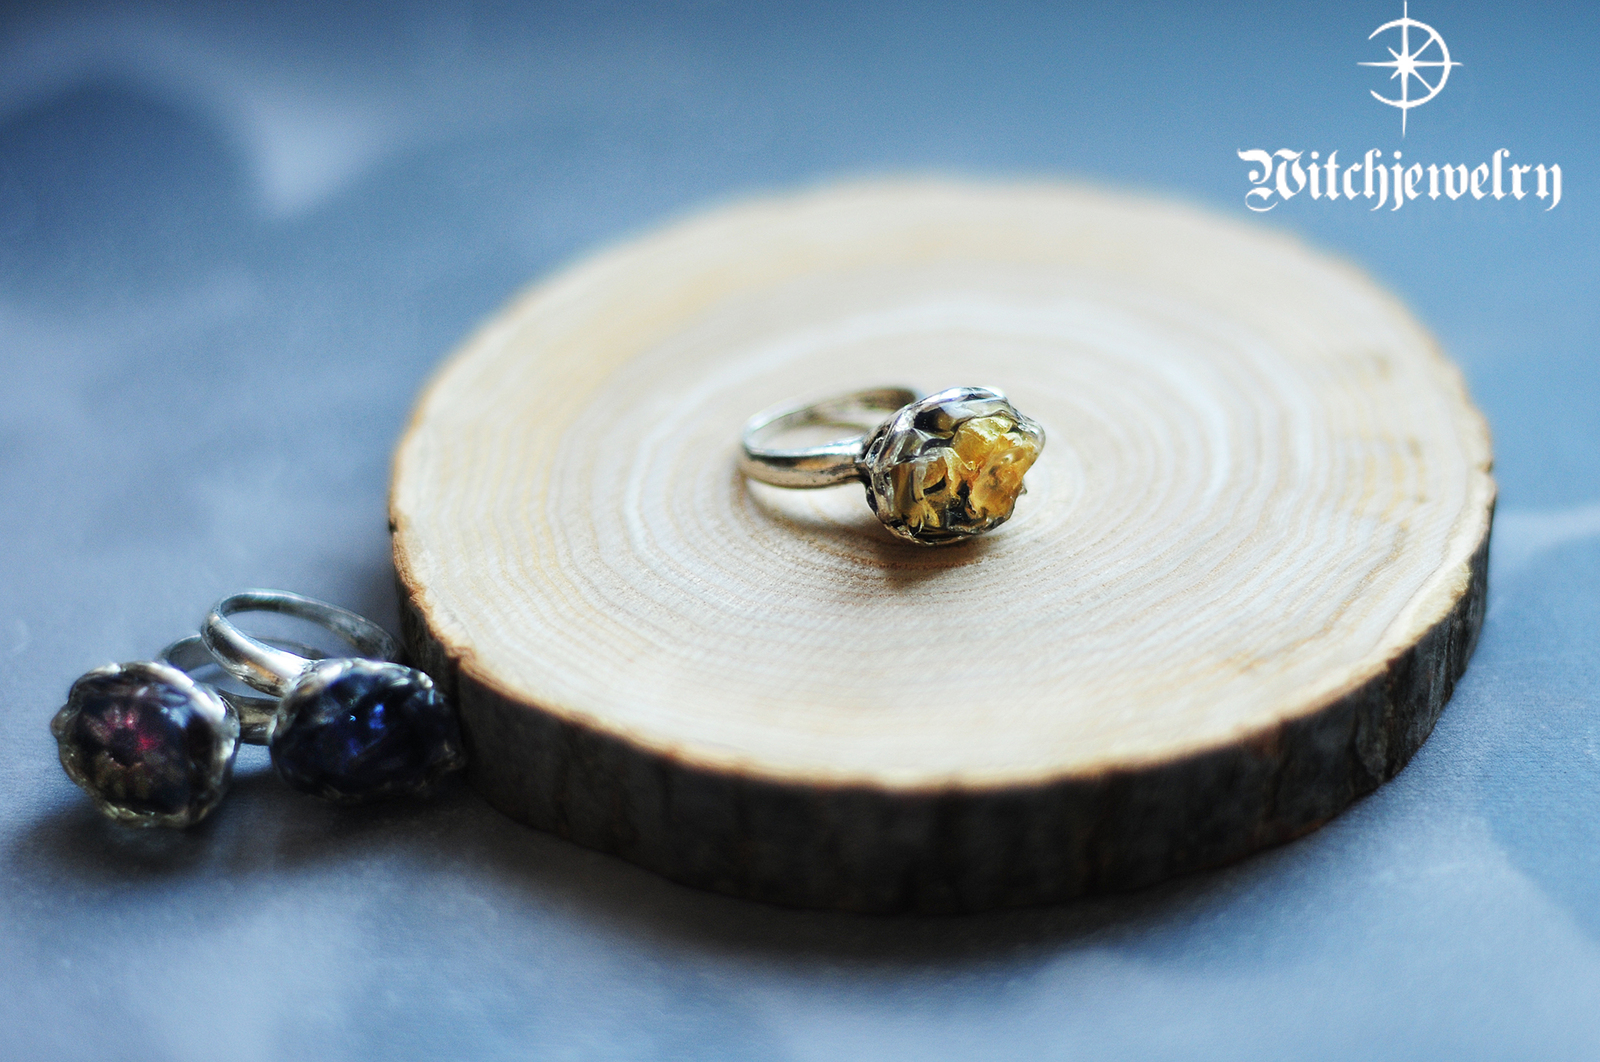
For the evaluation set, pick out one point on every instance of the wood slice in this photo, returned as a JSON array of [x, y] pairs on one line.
[[1249, 568]]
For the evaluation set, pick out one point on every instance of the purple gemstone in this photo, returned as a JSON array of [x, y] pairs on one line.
[[148, 744]]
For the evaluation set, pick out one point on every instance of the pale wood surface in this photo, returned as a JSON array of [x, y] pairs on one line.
[[1248, 570]]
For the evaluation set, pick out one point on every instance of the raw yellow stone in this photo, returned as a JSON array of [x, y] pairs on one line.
[[973, 482], [993, 459], [950, 466]]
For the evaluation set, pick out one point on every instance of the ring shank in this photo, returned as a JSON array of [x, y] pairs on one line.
[[189, 654], [272, 670], [830, 463]]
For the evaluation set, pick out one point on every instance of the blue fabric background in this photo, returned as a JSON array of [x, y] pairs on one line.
[[233, 242]]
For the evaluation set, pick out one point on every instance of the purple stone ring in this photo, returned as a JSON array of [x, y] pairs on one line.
[[348, 729], [149, 744]]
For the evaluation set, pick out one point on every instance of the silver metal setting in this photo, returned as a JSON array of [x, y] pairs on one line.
[[906, 449]]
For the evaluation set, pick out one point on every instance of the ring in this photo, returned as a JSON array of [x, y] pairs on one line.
[[937, 469], [151, 746], [348, 729], [189, 654]]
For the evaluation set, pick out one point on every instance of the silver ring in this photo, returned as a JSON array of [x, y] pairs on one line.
[[270, 670], [937, 469], [151, 746], [189, 654], [349, 729]]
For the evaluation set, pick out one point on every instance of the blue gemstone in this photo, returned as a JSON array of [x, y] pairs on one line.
[[146, 744], [356, 730]]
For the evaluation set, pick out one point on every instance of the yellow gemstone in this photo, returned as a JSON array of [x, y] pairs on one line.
[[951, 465], [994, 457]]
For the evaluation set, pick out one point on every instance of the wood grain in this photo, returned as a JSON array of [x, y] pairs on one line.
[[1249, 568]]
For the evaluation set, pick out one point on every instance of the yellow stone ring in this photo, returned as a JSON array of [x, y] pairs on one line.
[[937, 469]]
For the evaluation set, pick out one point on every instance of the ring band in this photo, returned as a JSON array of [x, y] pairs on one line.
[[271, 670], [818, 466], [189, 654], [937, 469]]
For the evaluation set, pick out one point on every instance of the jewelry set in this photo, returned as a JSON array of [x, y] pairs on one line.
[[153, 746]]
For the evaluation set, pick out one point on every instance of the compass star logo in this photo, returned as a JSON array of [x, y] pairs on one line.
[[1430, 57]]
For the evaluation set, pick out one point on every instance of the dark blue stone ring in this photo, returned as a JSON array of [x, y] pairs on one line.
[[349, 729]]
